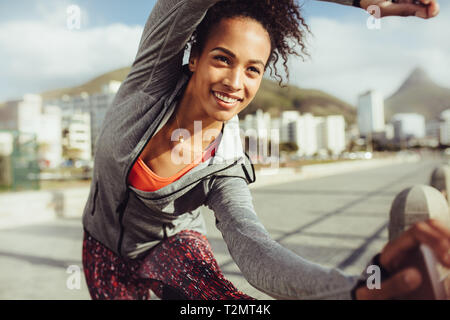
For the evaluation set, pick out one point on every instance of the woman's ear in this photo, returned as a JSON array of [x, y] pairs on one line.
[[193, 58], [192, 63]]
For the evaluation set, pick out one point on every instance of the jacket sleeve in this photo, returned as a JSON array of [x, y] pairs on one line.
[[158, 63], [266, 264]]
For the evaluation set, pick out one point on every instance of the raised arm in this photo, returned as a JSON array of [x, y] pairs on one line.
[[159, 59], [266, 264], [420, 8]]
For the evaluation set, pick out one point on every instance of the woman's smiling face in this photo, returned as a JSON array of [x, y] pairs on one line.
[[229, 70]]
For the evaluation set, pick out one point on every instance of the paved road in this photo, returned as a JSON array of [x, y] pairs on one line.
[[337, 221]]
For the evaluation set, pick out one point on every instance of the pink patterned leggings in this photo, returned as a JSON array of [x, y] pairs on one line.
[[181, 267]]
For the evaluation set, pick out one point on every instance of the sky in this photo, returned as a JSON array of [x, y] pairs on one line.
[[41, 48]]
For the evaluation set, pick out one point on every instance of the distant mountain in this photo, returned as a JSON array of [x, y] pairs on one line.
[[270, 98], [273, 99], [418, 94], [93, 86]]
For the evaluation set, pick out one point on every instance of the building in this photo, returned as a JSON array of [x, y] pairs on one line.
[[71, 104], [444, 131], [370, 113], [96, 105], [432, 129], [111, 87], [257, 129], [304, 131], [6, 143], [408, 125], [22, 115], [76, 139], [312, 135], [257, 124], [390, 131], [27, 116], [286, 125], [49, 137], [333, 139]]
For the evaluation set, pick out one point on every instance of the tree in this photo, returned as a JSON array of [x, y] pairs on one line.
[[71, 153], [288, 147]]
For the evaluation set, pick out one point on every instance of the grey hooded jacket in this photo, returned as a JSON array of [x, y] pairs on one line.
[[130, 222]]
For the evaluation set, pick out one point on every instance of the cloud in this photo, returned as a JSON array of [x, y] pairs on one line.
[[44, 54], [347, 58]]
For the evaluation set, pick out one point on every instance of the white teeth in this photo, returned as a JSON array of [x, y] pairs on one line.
[[224, 98]]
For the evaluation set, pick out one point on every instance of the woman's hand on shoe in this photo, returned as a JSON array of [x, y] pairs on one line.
[[431, 233]]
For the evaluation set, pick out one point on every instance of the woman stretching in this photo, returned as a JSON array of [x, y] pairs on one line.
[[170, 143]]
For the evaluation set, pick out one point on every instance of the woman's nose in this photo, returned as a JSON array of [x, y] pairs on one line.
[[234, 79]]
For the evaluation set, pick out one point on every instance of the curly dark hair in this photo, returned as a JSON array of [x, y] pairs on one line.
[[281, 18]]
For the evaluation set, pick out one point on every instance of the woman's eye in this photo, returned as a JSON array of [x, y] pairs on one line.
[[256, 70], [222, 58]]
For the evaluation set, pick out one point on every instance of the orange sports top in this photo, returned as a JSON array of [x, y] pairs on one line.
[[143, 178]]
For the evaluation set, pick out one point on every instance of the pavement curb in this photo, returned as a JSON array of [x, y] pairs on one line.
[[268, 177]]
